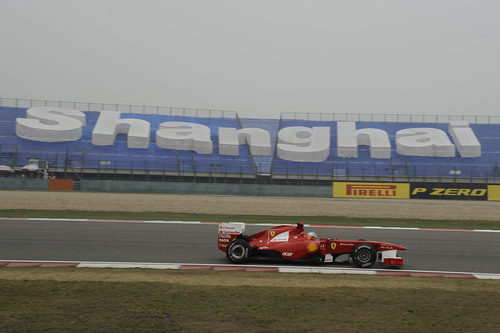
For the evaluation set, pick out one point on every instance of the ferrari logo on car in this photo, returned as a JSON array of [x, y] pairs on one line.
[[334, 245], [273, 233]]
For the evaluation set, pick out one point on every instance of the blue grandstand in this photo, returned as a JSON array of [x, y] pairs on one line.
[[82, 156], [486, 166]]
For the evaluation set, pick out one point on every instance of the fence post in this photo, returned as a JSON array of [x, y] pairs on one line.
[[347, 171], [66, 159], [333, 169], [81, 163]]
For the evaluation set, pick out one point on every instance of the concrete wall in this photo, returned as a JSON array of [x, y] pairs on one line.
[[204, 188], [7, 183]]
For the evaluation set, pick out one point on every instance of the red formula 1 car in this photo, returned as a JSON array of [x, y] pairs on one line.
[[289, 242]]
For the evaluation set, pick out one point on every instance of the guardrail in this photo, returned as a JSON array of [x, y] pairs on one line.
[[380, 174], [85, 166], [212, 113], [399, 118], [125, 108]]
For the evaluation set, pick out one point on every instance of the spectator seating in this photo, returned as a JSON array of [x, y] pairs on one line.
[[82, 153], [15, 151], [398, 165]]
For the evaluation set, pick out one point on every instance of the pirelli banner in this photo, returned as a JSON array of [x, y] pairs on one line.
[[371, 190], [451, 191]]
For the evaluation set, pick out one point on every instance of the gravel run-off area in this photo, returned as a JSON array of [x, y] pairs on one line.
[[248, 205]]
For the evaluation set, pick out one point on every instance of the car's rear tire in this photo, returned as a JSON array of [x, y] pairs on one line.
[[238, 251], [364, 255]]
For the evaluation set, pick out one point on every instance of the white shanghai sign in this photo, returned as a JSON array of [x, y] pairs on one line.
[[294, 143]]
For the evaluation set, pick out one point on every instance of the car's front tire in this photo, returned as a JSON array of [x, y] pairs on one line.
[[364, 255], [238, 251]]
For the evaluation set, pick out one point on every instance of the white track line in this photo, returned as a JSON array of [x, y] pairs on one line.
[[281, 269], [249, 224]]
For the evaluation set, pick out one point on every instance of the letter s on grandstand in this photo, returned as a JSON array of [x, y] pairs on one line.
[[371, 190]]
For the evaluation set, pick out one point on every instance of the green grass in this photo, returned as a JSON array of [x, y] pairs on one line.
[[329, 220], [115, 306]]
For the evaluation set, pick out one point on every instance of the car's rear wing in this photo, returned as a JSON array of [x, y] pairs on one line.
[[227, 232]]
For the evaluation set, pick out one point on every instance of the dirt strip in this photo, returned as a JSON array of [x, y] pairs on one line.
[[247, 205]]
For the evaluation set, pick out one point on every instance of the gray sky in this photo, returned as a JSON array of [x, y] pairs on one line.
[[259, 58]]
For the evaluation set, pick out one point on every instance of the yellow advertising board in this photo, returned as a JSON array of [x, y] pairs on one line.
[[494, 192], [371, 190]]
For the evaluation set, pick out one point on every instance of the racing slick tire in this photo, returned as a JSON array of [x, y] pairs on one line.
[[364, 255], [238, 251]]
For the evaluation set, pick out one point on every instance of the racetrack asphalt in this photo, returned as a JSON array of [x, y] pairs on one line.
[[432, 250]]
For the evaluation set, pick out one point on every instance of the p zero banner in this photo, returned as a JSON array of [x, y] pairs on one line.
[[494, 192], [449, 191], [371, 190]]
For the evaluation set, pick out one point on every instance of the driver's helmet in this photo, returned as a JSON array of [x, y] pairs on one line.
[[312, 235]]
